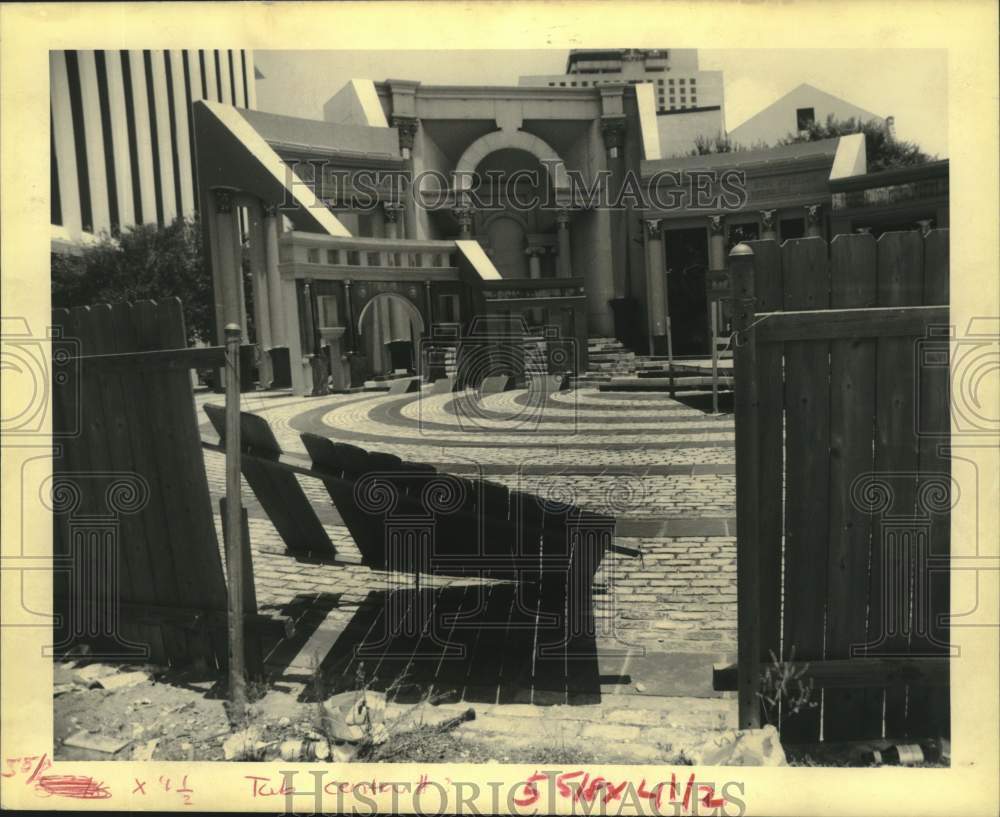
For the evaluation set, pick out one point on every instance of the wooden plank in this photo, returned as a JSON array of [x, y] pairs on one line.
[[873, 322], [338, 464], [277, 490], [100, 471], [591, 535], [202, 566], [160, 426], [548, 680], [482, 682], [431, 647], [852, 411], [929, 711], [133, 544], [807, 436], [137, 420], [343, 666], [66, 458], [179, 359], [450, 681], [249, 589], [855, 673], [900, 283], [770, 294]]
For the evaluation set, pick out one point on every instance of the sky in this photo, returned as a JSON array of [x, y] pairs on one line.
[[909, 84]]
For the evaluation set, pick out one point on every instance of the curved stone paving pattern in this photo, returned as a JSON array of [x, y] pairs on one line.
[[651, 460]]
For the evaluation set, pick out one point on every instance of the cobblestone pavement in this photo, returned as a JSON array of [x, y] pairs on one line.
[[663, 468]]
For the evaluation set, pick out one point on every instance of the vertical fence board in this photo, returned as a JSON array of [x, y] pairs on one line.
[[66, 457], [136, 576], [807, 417], [142, 429], [900, 283], [769, 292], [928, 712], [852, 413], [203, 568]]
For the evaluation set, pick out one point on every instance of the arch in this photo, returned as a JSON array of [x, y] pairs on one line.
[[393, 297], [513, 140]]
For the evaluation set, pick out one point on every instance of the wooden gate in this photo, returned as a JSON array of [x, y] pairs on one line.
[[843, 487], [139, 574]]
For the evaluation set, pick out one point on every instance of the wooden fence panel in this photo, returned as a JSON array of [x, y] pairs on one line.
[[864, 481], [852, 405], [928, 710], [807, 431], [900, 283], [139, 420], [770, 295]]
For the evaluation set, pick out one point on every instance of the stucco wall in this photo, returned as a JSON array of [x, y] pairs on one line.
[[779, 119], [678, 131]]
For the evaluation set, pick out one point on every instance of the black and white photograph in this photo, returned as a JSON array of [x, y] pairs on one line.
[[579, 423]]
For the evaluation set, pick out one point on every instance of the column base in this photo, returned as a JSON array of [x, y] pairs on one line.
[[660, 345], [281, 375]]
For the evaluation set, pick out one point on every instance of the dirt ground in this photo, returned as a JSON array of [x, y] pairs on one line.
[[183, 716]]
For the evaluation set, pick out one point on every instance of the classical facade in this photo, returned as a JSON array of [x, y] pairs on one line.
[[413, 216]]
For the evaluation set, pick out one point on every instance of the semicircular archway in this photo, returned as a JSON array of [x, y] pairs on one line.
[[509, 140]]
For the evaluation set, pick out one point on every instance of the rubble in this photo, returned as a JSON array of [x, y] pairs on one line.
[[356, 716], [96, 742], [748, 747], [244, 745], [121, 680]]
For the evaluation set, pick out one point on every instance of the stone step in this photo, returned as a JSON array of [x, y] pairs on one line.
[[659, 384]]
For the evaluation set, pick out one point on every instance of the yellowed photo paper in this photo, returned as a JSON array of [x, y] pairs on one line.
[[500, 408]]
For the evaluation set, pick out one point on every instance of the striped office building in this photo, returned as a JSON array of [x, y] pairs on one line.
[[121, 136]]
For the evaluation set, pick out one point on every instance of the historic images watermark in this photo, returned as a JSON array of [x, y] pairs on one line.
[[553, 188], [548, 791]]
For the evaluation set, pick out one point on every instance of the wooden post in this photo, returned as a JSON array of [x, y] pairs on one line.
[[234, 522], [748, 562]]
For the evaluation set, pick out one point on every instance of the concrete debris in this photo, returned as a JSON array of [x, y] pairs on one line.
[[92, 673], [356, 716], [749, 747], [245, 745], [121, 680], [144, 751], [96, 742]]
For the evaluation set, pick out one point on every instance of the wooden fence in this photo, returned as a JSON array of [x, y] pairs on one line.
[[843, 492], [134, 533]]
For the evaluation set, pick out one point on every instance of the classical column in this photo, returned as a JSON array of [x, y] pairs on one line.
[[564, 266], [464, 216], [261, 295], [814, 221], [276, 308], [393, 211], [716, 243], [767, 224], [298, 363], [407, 128], [656, 312], [534, 261]]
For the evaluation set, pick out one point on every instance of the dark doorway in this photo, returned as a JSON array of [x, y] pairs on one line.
[[687, 261]]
